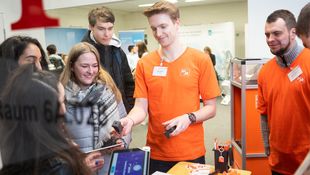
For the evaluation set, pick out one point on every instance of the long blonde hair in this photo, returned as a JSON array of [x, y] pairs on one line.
[[103, 76]]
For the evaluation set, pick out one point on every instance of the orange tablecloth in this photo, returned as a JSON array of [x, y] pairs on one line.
[[181, 169]]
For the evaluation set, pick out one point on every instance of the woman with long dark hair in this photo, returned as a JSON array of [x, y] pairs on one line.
[[24, 49], [20, 50], [32, 134]]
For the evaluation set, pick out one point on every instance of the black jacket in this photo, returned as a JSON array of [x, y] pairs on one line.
[[114, 60], [212, 56]]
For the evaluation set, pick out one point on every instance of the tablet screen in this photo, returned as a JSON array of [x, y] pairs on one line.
[[129, 162]]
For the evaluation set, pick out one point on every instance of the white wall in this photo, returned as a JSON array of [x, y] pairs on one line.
[[77, 17], [70, 17], [255, 12], [227, 12], [2, 31], [258, 12], [235, 12], [207, 14], [51, 4], [11, 11]]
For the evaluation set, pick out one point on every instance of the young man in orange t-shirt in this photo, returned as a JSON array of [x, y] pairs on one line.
[[169, 83], [283, 95]]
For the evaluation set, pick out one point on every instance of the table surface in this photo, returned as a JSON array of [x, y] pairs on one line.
[[181, 169]]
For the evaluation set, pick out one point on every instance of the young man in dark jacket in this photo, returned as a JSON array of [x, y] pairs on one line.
[[303, 25], [112, 57]]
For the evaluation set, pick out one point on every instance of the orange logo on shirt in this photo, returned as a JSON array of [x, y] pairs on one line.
[[184, 72], [300, 79]]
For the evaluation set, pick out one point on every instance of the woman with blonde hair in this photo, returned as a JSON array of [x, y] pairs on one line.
[[93, 101]]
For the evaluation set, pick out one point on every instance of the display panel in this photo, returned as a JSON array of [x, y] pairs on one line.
[[129, 162]]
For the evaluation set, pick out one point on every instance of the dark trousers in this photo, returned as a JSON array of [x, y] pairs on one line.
[[164, 166], [275, 173]]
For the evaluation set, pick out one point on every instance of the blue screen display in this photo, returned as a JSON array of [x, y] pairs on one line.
[[129, 163]]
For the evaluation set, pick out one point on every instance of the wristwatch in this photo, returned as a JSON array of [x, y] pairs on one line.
[[192, 117]]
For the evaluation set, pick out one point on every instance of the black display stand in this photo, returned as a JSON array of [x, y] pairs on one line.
[[223, 159]]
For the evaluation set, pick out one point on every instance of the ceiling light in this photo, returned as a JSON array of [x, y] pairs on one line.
[[145, 5], [194, 0], [149, 5], [173, 1]]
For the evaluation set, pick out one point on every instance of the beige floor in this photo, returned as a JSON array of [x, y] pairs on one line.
[[217, 127]]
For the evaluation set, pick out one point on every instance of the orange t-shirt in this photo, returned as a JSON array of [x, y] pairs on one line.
[[175, 94], [287, 105]]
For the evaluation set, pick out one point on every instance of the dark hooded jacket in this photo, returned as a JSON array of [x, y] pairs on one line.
[[114, 60]]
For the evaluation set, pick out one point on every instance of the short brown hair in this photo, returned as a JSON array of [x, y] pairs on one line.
[[51, 49], [286, 15], [303, 22], [102, 14], [163, 7], [207, 49]]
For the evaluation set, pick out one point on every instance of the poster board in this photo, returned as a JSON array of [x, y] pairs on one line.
[[130, 37], [64, 38], [220, 37]]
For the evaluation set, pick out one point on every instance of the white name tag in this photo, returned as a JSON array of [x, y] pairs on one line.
[[160, 71], [294, 73]]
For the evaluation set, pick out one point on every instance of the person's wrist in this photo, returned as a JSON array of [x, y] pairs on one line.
[[124, 142], [192, 117], [133, 122]]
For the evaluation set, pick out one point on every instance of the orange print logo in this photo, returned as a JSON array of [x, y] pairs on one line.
[[184, 72]]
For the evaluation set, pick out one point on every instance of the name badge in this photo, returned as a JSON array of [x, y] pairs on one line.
[[294, 73], [160, 71]]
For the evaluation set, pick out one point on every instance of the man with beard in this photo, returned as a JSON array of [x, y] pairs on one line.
[[283, 95]]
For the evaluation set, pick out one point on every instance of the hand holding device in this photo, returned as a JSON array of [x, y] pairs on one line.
[[94, 161], [169, 131], [117, 126]]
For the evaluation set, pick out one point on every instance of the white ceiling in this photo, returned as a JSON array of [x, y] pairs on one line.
[[132, 5]]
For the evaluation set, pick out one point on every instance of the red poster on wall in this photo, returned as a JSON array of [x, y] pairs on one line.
[[33, 15]]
